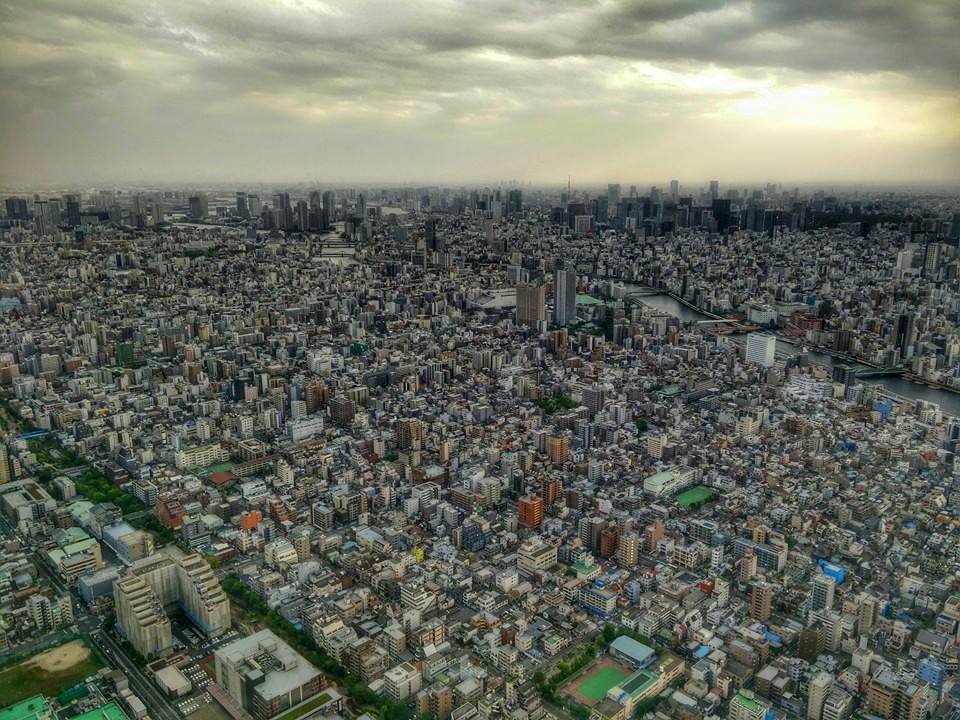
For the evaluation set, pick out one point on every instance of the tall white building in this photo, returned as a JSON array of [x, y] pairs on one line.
[[820, 688], [761, 349], [402, 681], [823, 589]]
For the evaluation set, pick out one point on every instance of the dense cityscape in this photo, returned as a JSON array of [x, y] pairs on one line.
[[467, 452]]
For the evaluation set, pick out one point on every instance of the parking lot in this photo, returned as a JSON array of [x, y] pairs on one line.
[[192, 704]]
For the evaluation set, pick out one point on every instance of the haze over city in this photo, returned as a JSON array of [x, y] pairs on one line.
[[479, 360], [451, 91]]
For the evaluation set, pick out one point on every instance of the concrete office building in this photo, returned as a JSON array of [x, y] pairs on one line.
[[531, 305], [141, 617], [402, 681], [761, 349], [186, 582], [265, 676]]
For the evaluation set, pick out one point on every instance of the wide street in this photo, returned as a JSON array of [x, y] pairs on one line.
[[141, 685]]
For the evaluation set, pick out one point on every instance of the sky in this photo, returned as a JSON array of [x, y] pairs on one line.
[[456, 91]]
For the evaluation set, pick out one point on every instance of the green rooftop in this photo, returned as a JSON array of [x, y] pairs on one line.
[[583, 569], [584, 299], [304, 708], [747, 701], [110, 711], [34, 708]]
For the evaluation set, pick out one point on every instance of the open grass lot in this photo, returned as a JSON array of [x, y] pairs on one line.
[[695, 495], [48, 672], [590, 687]]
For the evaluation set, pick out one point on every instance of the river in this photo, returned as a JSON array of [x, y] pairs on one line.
[[337, 254], [949, 402]]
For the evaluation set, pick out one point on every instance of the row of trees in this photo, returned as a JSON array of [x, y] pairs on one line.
[[567, 669], [356, 688]]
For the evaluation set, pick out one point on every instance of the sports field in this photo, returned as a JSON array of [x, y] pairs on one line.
[[694, 495], [47, 673], [591, 687]]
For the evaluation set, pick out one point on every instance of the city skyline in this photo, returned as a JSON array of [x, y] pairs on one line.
[[453, 92]]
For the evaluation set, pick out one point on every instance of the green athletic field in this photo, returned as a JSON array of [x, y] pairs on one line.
[[594, 686], [694, 495]]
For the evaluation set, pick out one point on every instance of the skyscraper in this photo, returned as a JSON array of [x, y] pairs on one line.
[[613, 196], [721, 208], [45, 217], [302, 216], [903, 337], [72, 204], [198, 207], [432, 240], [564, 296], [531, 305], [316, 210], [138, 211], [282, 210], [17, 209], [329, 210], [243, 209], [514, 202], [714, 189]]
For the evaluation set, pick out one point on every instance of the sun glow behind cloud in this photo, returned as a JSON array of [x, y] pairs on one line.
[[457, 90]]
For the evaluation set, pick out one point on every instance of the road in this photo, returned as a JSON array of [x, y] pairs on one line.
[[141, 685]]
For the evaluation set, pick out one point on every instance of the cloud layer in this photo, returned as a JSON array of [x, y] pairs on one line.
[[461, 90]]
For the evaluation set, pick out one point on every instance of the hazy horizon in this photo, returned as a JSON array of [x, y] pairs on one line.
[[451, 92], [643, 187]]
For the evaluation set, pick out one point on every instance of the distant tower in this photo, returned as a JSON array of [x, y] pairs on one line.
[[531, 308], [243, 208], [329, 211], [613, 195]]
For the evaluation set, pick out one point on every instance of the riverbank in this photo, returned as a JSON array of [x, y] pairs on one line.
[[899, 388]]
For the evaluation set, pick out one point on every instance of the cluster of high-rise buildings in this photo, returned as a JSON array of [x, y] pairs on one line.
[[492, 453]]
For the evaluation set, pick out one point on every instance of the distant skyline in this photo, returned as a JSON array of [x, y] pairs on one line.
[[458, 92]]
